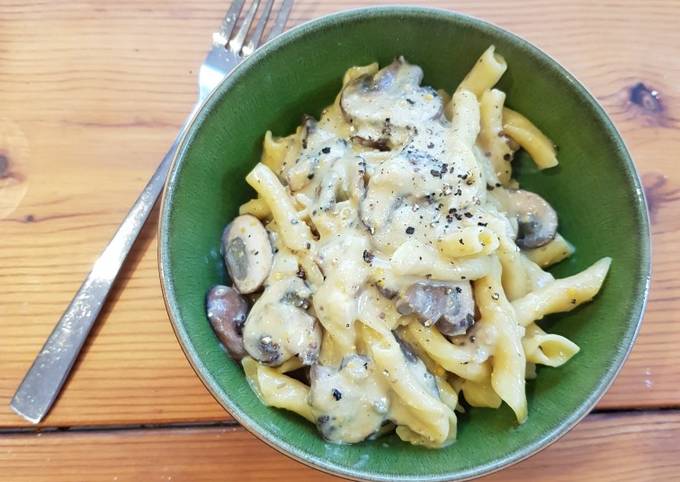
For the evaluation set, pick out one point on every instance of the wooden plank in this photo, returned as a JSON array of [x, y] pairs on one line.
[[631, 447], [86, 116]]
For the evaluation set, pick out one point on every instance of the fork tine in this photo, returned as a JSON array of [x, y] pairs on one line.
[[236, 43], [221, 37], [281, 19], [254, 40]]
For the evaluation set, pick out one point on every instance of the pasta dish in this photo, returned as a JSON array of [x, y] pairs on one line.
[[390, 269]]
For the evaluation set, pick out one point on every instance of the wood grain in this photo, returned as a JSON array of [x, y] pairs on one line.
[[91, 94], [633, 447]]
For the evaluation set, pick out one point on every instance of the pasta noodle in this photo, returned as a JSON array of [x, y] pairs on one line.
[[492, 139], [509, 359], [552, 253], [486, 72], [480, 394], [547, 349], [296, 234], [276, 389], [468, 242], [256, 207], [526, 134], [562, 295], [393, 264], [452, 358]]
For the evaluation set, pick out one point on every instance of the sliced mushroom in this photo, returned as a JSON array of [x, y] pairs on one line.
[[309, 124], [382, 106], [227, 311], [449, 305], [350, 403], [380, 144], [278, 327], [358, 179], [536, 219], [247, 253]]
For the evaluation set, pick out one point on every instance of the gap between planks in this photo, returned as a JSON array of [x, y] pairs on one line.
[[28, 430]]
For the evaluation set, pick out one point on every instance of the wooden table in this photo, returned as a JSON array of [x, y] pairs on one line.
[[92, 93]]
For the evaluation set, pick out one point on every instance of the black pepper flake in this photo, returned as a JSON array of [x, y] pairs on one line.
[[326, 150], [368, 256], [507, 156], [459, 289], [310, 176], [308, 245], [498, 184], [430, 145], [410, 230], [573, 301], [482, 224], [458, 192], [304, 143], [459, 217], [410, 101], [473, 338], [460, 240], [495, 296], [435, 173], [468, 215], [256, 253]]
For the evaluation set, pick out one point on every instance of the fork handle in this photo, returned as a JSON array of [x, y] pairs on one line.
[[43, 381]]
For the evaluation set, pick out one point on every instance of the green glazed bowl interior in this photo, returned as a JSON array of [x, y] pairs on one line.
[[595, 190]]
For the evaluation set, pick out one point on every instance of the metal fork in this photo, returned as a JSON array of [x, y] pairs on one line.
[[44, 380]]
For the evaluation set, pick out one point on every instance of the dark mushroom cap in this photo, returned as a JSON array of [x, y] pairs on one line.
[[536, 219], [227, 311], [449, 305]]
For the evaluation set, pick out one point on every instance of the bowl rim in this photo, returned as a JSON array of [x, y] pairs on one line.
[[279, 443]]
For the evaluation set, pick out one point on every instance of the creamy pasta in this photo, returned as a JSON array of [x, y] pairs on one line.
[[390, 267]]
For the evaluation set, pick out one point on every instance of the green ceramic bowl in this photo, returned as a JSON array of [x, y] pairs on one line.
[[595, 190]]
